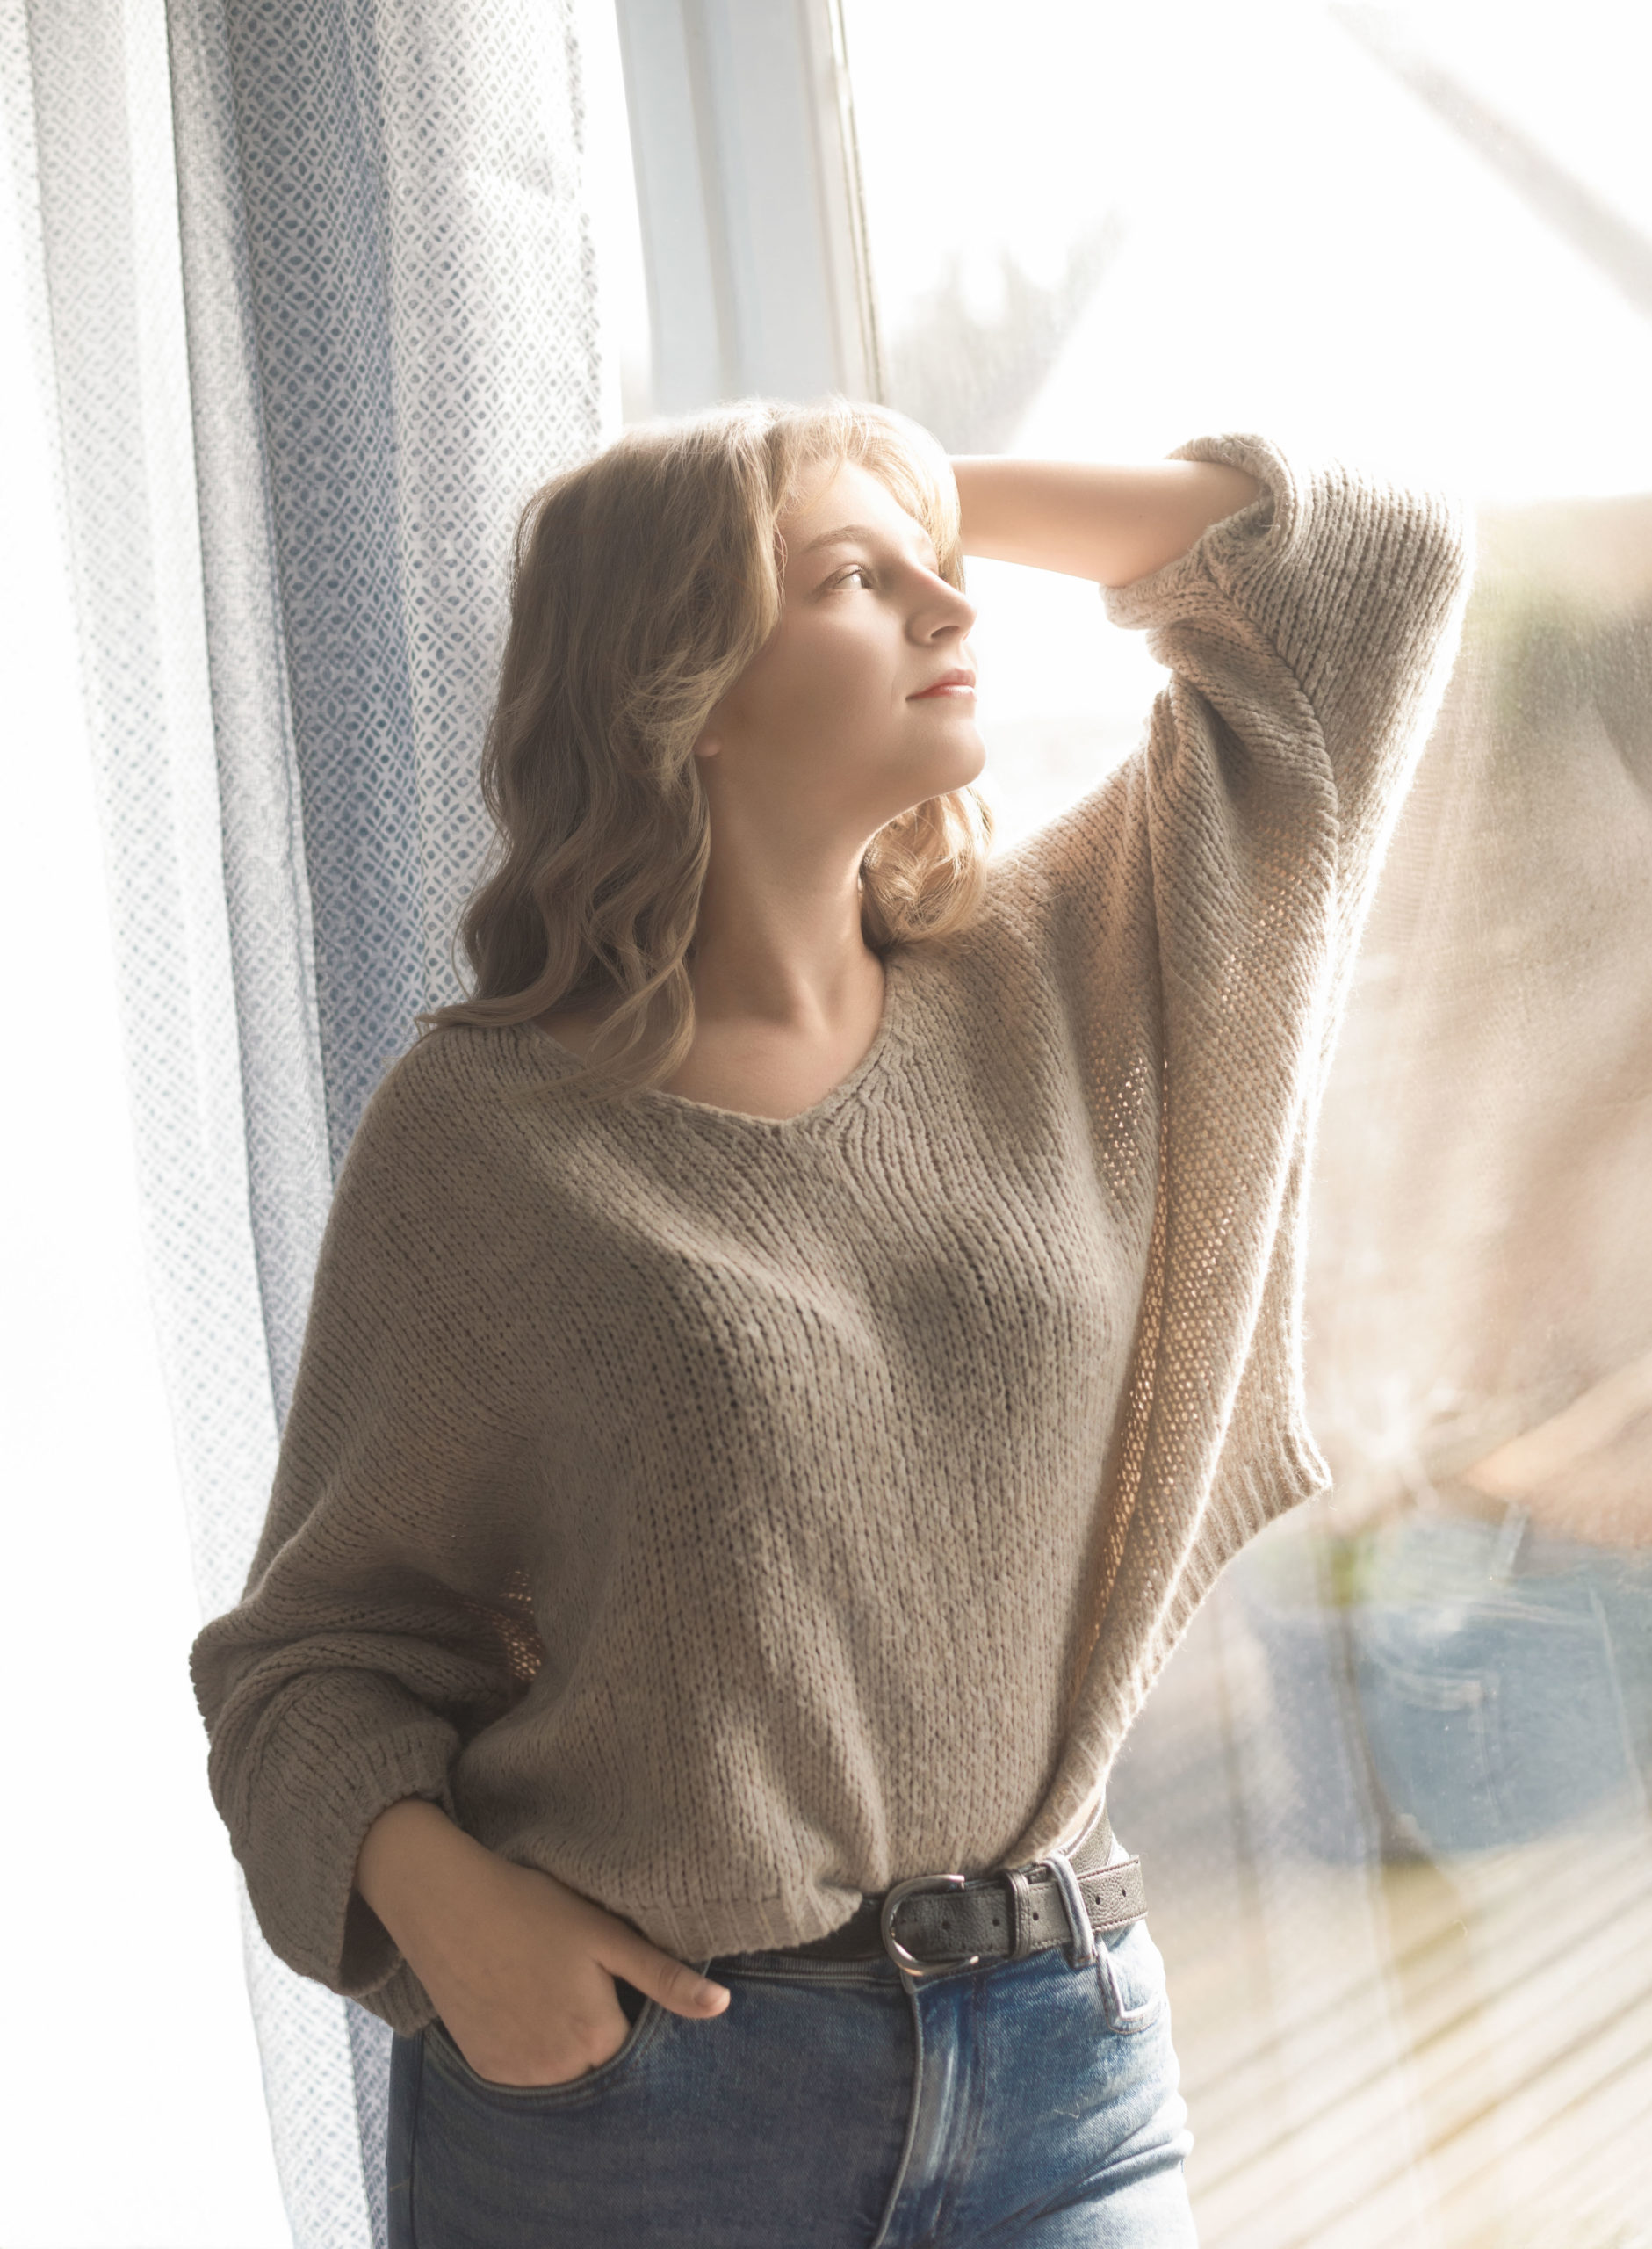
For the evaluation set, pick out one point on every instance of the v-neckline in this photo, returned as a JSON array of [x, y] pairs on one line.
[[833, 1099]]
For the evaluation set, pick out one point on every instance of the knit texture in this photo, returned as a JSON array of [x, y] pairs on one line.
[[732, 1516]]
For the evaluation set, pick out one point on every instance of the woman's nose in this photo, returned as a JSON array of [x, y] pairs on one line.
[[951, 612]]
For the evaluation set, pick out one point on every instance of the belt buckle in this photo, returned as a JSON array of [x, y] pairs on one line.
[[893, 1899]]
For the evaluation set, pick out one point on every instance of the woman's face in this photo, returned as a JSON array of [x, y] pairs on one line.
[[861, 702]]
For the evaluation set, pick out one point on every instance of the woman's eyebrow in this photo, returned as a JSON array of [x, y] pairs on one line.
[[846, 534]]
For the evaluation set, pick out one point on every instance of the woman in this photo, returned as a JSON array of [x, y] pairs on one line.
[[791, 1352]]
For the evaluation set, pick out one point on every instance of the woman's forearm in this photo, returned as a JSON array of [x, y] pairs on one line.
[[1110, 524]]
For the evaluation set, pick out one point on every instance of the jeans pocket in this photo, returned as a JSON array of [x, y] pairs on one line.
[[643, 2018], [1497, 1719], [1131, 1972]]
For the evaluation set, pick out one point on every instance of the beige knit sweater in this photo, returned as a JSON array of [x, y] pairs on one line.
[[733, 1517]]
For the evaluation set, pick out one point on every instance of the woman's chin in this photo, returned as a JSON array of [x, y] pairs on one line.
[[959, 760], [969, 765], [938, 776]]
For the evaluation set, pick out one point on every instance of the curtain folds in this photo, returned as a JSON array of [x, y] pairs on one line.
[[315, 308]]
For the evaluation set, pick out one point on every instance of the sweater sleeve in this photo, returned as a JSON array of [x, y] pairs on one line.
[[373, 1640], [1205, 902], [1196, 916], [1320, 618]]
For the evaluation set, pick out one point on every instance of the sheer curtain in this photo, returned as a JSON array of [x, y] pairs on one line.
[[315, 308]]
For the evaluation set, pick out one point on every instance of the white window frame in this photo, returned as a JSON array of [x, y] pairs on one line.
[[749, 200]]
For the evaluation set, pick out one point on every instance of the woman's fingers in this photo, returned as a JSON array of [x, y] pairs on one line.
[[552, 2012], [583, 2027], [676, 1985]]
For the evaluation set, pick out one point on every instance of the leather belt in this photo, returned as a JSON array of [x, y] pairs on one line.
[[945, 1920]]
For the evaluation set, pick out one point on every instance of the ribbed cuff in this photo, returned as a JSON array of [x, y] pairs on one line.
[[344, 1751], [1265, 527]]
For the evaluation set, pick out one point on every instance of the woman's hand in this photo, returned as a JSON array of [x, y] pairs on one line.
[[521, 1969]]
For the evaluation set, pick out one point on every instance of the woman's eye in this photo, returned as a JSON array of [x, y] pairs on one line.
[[861, 570]]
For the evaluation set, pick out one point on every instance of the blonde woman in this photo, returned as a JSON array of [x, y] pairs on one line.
[[791, 1351]]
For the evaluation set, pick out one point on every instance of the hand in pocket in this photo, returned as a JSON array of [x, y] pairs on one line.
[[520, 1967]]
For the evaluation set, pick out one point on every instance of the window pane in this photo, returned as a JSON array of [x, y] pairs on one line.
[[1391, 1793]]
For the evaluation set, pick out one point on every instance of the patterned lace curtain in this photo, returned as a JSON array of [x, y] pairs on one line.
[[314, 303]]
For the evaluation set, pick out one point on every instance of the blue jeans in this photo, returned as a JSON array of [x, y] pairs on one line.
[[827, 2107], [1504, 1704]]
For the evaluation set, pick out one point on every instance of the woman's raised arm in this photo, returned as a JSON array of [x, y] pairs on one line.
[[1089, 521]]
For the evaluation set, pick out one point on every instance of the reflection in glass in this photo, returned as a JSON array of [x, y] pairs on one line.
[[1392, 1793]]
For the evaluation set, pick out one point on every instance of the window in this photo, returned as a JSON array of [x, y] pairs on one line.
[[1390, 1794]]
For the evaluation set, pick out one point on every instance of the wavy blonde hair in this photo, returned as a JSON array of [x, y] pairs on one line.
[[642, 584]]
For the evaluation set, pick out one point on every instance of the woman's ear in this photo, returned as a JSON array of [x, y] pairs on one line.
[[708, 745]]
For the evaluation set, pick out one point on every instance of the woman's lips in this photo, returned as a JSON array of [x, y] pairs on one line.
[[958, 684]]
